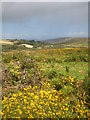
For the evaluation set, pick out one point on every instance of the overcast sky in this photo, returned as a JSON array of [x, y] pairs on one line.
[[45, 0], [25, 20]]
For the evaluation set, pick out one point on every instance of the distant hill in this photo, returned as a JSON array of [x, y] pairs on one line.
[[67, 41], [56, 40]]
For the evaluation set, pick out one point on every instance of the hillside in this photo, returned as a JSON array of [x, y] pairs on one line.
[[8, 45], [70, 42]]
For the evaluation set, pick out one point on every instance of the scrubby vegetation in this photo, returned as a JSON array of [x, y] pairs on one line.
[[47, 83], [15, 44]]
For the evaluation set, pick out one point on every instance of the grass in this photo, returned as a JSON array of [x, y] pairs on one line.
[[52, 76], [75, 69], [3, 42]]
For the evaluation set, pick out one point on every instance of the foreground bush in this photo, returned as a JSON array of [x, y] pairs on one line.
[[45, 102], [38, 84]]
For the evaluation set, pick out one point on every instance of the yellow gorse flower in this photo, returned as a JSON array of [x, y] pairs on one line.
[[44, 103]]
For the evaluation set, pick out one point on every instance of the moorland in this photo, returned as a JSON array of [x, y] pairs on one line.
[[47, 80]]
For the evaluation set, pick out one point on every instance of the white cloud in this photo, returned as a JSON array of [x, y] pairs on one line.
[[78, 34]]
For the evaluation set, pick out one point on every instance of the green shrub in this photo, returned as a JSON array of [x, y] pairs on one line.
[[7, 58], [52, 73]]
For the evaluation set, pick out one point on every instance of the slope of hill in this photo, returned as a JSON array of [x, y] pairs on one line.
[[8, 45], [70, 42], [56, 40]]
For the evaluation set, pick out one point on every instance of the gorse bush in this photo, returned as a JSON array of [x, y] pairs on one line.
[[6, 58], [86, 87], [52, 73], [44, 102], [73, 58], [14, 71], [48, 83]]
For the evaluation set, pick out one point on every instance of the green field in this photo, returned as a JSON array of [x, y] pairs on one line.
[[45, 83]]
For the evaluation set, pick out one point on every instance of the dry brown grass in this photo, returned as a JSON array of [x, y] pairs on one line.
[[3, 42]]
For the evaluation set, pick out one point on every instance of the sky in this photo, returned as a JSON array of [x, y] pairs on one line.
[[44, 20], [45, 0]]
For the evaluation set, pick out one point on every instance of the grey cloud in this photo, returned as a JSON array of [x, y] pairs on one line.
[[45, 0], [25, 11]]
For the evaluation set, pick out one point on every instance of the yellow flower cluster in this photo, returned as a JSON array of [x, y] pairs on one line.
[[42, 102]]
